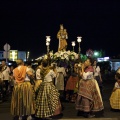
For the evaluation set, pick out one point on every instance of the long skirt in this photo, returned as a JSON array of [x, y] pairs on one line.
[[47, 101], [71, 83], [59, 82], [23, 99], [115, 99], [89, 98], [37, 84]]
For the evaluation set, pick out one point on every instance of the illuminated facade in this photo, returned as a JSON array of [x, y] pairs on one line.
[[14, 55]]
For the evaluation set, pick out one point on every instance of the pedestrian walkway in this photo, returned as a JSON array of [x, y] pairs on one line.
[[69, 113], [93, 119]]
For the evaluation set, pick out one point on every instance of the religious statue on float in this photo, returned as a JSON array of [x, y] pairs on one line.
[[62, 35]]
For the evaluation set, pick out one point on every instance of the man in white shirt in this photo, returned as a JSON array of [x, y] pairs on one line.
[[6, 74], [1, 84]]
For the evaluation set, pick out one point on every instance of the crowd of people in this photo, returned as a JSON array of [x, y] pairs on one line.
[[38, 93]]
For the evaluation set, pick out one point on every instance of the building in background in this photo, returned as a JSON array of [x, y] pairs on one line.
[[22, 54], [102, 59], [14, 55], [115, 64]]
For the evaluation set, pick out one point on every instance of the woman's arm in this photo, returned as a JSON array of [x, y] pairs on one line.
[[29, 73]]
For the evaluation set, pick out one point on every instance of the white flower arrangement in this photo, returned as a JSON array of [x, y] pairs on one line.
[[65, 56], [68, 55]]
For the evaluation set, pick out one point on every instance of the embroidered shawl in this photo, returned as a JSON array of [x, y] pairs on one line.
[[44, 71]]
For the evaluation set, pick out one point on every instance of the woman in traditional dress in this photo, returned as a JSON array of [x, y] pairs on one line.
[[97, 75], [71, 84], [38, 79], [89, 97], [22, 102], [47, 100], [115, 96], [60, 80]]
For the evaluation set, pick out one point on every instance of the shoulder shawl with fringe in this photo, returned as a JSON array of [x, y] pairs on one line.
[[44, 71], [20, 74]]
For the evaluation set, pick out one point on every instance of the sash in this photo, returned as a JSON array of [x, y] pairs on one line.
[[4, 68]]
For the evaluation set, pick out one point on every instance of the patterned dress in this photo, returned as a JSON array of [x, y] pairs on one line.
[[89, 97], [47, 99]]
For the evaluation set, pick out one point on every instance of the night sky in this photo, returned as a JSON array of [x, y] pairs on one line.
[[25, 25]]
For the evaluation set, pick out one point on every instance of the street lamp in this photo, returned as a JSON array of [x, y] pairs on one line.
[[48, 43], [79, 40], [73, 44]]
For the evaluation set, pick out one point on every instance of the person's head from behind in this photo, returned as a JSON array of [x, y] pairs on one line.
[[76, 65], [45, 63], [20, 62], [39, 62], [29, 63], [75, 68]]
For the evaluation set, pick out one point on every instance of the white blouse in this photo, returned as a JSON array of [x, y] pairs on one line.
[[49, 77], [38, 76], [96, 70]]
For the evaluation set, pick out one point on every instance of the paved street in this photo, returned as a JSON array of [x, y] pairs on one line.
[[69, 111]]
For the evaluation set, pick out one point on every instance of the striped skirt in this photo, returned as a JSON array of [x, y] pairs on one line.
[[47, 101], [22, 102]]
